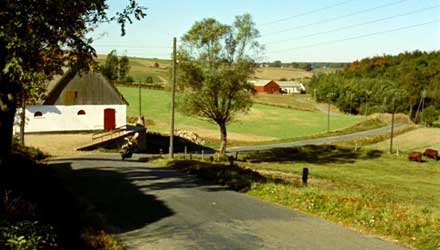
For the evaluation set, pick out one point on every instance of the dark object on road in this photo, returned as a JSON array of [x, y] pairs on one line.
[[431, 153], [305, 176], [415, 156], [129, 146]]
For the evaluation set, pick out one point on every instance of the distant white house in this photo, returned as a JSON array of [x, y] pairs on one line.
[[77, 102], [291, 87]]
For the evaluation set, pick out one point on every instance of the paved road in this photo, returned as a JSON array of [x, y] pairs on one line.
[[318, 141], [156, 208]]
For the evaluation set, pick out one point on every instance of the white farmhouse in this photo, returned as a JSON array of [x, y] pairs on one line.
[[77, 102], [291, 87]]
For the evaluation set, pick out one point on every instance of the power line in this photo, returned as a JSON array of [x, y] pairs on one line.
[[356, 25], [132, 46], [336, 18], [355, 37], [306, 13]]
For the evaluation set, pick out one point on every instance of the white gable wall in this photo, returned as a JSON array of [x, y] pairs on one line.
[[66, 118]]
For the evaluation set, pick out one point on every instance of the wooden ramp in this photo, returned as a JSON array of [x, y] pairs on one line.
[[104, 138]]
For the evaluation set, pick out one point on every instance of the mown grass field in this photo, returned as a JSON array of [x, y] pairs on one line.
[[416, 140], [263, 122], [365, 189], [281, 73]]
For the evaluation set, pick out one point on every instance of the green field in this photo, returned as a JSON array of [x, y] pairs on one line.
[[364, 189], [367, 190], [262, 123]]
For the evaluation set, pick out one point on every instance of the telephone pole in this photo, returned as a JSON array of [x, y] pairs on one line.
[[329, 95], [173, 93], [140, 100], [392, 126]]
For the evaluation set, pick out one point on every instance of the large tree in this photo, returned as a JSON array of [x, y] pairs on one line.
[[111, 66], [38, 39], [215, 61], [124, 68]]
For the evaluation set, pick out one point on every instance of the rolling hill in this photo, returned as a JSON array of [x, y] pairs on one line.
[[141, 68]]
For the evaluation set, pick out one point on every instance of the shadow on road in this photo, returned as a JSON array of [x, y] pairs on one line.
[[111, 200], [319, 154], [116, 195]]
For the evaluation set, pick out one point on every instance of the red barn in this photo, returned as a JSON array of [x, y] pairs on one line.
[[266, 86]]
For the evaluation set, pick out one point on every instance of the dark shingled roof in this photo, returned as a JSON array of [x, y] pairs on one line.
[[84, 88]]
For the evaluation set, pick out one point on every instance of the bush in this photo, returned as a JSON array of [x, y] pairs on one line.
[[27, 234], [149, 79], [430, 115], [101, 240], [128, 79], [29, 153]]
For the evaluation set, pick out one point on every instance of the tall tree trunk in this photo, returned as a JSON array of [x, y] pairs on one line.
[[7, 115], [223, 137], [22, 118]]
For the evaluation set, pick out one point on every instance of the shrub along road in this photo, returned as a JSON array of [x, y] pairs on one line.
[[150, 207], [319, 141]]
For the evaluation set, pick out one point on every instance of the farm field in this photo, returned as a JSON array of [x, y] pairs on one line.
[[367, 190], [143, 67], [416, 140], [364, 189], [262, 123], [299, 102], [281, 73]]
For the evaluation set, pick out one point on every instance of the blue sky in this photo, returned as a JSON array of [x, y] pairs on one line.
[[291, 30]]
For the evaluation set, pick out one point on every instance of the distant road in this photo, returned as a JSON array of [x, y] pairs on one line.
[[319, 141]]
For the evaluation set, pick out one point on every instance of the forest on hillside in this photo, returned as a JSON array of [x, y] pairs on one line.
[[410, 80]]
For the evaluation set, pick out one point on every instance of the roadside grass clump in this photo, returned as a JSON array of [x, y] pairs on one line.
[[101, 240], [232, 176]]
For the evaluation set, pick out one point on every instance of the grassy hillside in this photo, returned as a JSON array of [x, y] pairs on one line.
[[379, 194], [143, 67], [418, 140], [263, 122]]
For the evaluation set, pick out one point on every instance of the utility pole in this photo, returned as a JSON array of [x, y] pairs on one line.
[[392, 126], [351, 100], [140, 100], [329, 95], [421, 103], [22, 117], [173, 93]]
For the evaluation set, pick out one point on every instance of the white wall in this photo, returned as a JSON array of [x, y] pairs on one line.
[[66, 118]]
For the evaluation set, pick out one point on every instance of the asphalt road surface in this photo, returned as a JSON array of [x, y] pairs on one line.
[[156, 208], [319, 141]]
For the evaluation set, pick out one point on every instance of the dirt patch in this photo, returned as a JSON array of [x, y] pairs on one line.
[[418, 139], [58, 144], [215, 134], [384, 117]]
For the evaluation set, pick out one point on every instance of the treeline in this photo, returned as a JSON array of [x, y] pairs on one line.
[[116, 68], [411, 80], [308, 66]]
